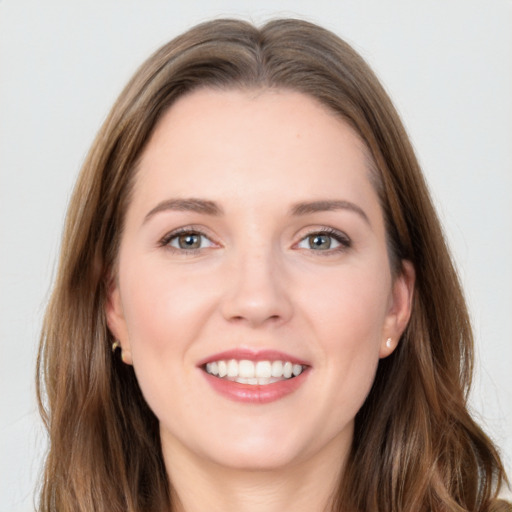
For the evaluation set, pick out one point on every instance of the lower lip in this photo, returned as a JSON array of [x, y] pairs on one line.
[[255, 394]]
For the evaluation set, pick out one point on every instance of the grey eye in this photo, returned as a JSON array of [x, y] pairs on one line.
[[319, 242], [190, 241]]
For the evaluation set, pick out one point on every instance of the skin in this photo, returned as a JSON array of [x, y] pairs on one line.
[[256, 282]]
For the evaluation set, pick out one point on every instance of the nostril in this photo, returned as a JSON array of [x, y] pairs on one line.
[[256, 302]]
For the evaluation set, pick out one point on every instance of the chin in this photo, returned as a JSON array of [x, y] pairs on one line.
[[262, 449], [249, 458], [270, 449]]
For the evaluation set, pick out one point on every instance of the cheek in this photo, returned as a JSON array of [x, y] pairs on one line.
[[348, 316], [351, 306], [162, 314], [161, 308]]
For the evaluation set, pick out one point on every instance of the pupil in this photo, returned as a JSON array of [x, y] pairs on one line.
[[320, 241], [190, 241]]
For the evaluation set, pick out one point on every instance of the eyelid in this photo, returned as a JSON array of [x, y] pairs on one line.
[[341, 238], [192, 229]]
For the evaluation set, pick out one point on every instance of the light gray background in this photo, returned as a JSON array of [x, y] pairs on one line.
[[446, 63]]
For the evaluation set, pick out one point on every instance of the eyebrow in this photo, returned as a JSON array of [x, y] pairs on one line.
[[186, 205], [211, 208], [306, 208]]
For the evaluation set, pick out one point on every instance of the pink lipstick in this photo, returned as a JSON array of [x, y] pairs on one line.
[[251, 376]]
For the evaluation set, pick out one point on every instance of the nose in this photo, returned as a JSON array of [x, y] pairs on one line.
[[256, 291]]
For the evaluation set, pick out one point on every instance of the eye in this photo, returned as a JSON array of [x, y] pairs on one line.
[[324, 241], [187, 240]]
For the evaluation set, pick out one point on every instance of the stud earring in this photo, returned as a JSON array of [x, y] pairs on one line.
[[124, 358], [389, 342]]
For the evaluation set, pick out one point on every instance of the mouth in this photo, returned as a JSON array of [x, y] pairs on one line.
[[253, 373], [254, 376]]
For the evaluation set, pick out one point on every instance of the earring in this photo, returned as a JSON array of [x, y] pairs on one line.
[[117, 345], [389, 342]]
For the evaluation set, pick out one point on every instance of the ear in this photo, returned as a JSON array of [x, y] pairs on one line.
[[400, 308], [116, 321]]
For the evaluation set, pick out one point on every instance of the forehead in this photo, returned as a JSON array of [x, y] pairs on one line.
[[244, 144]]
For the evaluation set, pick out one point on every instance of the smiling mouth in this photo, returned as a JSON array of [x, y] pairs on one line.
[[259, 373]]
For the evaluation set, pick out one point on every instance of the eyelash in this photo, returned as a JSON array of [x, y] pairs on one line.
[[340, 237], [343, 240], [186, 230]]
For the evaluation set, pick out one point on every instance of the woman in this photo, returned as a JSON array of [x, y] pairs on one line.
[[255, 307]]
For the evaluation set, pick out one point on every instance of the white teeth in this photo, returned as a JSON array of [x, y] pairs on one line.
[[259, 373], [277, 368], [246, 369], [232, 368], [223, 368], [212, 368], [263, 369]]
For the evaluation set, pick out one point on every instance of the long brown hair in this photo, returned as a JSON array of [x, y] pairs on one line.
[[416, 448]]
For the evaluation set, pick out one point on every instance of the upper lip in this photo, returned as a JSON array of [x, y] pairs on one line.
[[253, 355]]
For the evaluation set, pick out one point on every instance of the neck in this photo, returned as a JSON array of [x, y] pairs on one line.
[[199, 484]]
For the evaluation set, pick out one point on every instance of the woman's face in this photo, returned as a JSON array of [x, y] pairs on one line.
[[255, 245]]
